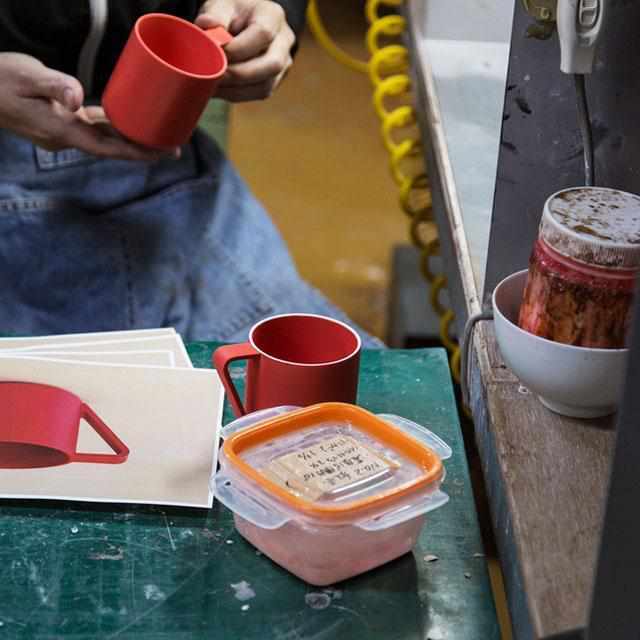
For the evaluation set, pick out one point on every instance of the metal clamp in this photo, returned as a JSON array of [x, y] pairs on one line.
[[543, 10], [487, 314]]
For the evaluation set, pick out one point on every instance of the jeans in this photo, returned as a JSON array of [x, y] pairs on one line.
[[88, 244]]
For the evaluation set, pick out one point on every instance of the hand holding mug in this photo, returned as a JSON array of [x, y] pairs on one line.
[[44, 106], [260, 53], [164, 77]]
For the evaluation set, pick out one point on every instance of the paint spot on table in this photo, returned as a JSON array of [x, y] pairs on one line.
[[243, 590], [317, 601], [151, 592]]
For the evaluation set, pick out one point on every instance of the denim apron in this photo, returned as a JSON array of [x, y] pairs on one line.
[[88, 244]]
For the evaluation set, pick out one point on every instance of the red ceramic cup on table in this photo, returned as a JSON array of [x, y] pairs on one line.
[[39, 427], [164, 77], [293, 359]]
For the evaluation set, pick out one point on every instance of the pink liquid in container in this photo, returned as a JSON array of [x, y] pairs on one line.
[[330, 491]]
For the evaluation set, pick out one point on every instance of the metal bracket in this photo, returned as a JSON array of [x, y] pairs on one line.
[[543, 10], [486, 314]]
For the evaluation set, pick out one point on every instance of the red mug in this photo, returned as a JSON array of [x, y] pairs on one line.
[[39, 428], [294, 359], [164, 77]]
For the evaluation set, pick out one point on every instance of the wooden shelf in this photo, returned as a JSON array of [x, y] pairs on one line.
[[546, 475]]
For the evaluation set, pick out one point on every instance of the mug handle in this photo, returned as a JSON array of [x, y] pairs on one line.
[[120, 449], [219, 35], [222, 358]]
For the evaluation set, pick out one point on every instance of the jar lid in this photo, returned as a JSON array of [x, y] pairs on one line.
[[594, 225]]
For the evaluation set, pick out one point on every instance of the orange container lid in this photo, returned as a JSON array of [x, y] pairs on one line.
[[429, 466]]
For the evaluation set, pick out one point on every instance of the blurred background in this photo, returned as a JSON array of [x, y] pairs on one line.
[[313, 155]]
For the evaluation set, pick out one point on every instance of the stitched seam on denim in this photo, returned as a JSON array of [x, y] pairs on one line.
[[51, 160], [255, 310], [15, 205], [163, 194], [128, 279]]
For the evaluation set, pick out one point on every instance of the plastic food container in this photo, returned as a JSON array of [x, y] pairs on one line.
[[583, 268], [331, 490]]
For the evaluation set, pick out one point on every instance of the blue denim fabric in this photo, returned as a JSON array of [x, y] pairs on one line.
[[88, 244]]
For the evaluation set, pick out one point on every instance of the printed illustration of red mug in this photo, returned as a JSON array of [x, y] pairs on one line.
[[164, 77], [39, 427], [293, 359]]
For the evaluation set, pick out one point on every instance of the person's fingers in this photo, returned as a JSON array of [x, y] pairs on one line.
[[221, 13], [55, 85], [97, 118], [266, 22], [274, 62], [259, 91], [50, 113], [93, 114], [67, 130], [251, 73], [96, 141], [46, 107], [247, 93]]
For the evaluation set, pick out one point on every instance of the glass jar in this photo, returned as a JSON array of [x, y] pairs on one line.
[[583, 268]]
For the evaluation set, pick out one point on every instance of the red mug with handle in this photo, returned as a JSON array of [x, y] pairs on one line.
[[39, 427], [164, 77], [293, 359]]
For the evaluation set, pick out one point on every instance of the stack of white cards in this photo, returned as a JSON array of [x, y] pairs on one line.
[[143, 386]]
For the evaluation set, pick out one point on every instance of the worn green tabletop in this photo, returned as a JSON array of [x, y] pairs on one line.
[[84, 571]]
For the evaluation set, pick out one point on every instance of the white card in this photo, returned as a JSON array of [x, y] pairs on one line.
[[171, 342], [169, 418], [152, 358], [98, 336]]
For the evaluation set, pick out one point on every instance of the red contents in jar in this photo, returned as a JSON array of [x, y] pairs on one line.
[[574, 303], [583, 268]]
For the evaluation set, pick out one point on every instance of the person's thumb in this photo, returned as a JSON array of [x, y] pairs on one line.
[[216, 13], [58, 86]]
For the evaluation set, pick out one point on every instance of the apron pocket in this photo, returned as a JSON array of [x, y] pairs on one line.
[[227, 300], [178, 274], [60, 271]]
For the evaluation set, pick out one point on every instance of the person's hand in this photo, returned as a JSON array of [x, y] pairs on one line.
[[260, 53], [45, 106]]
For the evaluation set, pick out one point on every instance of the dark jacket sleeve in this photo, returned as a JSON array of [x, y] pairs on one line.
[[296, 11]]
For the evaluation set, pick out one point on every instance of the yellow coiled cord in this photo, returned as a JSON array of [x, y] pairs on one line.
[[320, 33], [387, 69]]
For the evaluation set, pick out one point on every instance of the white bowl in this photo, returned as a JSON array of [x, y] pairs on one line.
[[580, 382]]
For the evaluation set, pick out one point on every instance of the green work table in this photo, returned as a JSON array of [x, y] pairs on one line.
[[73, 570]]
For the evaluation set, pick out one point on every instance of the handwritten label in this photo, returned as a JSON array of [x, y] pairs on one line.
[[327, 466]]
